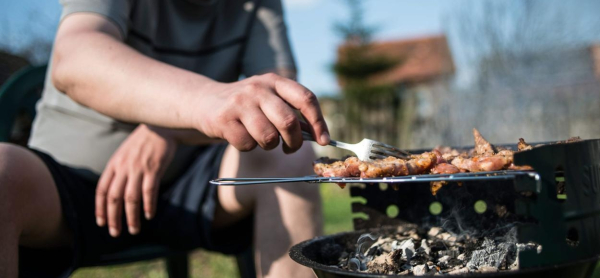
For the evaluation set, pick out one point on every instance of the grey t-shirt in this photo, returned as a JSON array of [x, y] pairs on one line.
[[210, 37]]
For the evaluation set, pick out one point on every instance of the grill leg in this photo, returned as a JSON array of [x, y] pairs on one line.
[[177, 265], [245, 261]]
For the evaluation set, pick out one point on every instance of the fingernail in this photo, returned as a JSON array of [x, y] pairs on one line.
[[148, 215], [100, 221], [113, 232], [133, 230], [325, 137]]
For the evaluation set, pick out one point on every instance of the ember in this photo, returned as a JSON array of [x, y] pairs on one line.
[[418, 252]]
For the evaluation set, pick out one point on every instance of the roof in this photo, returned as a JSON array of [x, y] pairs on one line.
[[421, 59]]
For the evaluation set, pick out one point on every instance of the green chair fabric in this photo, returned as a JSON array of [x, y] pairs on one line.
[[20, 91]]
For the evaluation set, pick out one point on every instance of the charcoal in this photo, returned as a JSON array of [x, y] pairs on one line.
[[444, 259], [408, 249], [459, 271], [435, 252], [424, 247], [491, 254], [434, 231], [485, 269], [455, 262], [420, 270]]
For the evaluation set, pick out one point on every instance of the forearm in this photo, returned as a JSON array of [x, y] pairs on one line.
[[97, 70], [194, 137]]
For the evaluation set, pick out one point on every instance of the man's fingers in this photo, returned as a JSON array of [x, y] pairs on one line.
[[260, 128], [133, 202], [101, 194], [285, 120], [150, 194], [115, 204], [237, 135], [304, 100]]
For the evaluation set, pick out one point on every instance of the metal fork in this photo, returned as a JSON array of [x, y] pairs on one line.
[[367, 149]]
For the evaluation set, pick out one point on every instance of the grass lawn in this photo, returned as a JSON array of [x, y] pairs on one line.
[[336, 210]]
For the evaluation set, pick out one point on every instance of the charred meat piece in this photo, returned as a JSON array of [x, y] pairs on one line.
[[482, 146], [391, 166], [570, 140], [445, 168], [523, 146], [482, 163], [520, 168], [327, 167]]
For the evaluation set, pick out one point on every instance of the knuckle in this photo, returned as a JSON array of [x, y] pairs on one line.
[[309, 98], [151, 166], [237, 99], [247, 145], [271, 140], [252, 87], [118, 160], [148, 190], [132, 199], [114, 198], [289, 122], [101, 191]]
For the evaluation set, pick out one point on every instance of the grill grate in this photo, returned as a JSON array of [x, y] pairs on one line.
[[460, 177]]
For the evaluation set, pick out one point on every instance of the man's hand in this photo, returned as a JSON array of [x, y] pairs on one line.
[[260, 109], [131, 176]]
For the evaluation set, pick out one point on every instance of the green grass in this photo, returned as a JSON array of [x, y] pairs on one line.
[[337, 218]]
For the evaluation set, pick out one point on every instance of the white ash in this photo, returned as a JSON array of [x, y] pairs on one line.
[[435, 252]]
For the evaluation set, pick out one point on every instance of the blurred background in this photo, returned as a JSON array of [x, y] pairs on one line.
[[415, 74]]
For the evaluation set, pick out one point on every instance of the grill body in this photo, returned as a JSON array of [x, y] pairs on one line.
[[567, 225]]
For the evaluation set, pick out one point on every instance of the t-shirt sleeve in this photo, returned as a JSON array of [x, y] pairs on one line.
[[115, 10], [268, 47]]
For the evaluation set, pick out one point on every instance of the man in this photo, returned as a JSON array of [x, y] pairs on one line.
[[139, 98]]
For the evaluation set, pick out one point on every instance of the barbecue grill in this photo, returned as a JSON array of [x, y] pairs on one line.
[[556, 206]]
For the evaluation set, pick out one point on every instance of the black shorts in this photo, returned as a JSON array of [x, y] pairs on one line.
[[183, 219]]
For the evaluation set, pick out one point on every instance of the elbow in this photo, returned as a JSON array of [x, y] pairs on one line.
[[59, 72]]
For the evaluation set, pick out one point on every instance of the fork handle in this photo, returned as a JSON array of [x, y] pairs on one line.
[[308, 137]]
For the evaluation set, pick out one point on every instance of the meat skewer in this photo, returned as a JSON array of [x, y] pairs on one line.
[[441, 160]]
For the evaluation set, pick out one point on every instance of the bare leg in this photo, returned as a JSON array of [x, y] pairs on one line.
[[285, 214], [30, 212]]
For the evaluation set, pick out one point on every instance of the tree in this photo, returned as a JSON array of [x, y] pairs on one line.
[[357, 63]]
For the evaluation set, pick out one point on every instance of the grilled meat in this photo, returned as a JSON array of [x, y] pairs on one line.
[[523, 146], [482, 163], [391, 166], [441, 160], [445, 168], [482, 146]]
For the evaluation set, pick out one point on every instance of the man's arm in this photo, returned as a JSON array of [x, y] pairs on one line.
[[194, 137], [96, 69]]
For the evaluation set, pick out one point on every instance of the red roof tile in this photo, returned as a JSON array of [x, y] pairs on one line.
[[421, 59]]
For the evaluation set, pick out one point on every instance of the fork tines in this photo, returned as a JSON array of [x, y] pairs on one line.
[[381, 150]]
